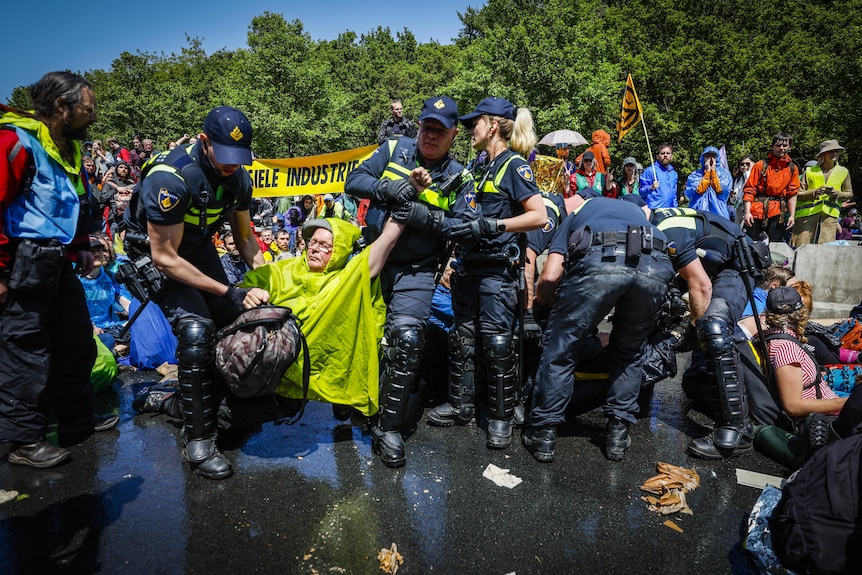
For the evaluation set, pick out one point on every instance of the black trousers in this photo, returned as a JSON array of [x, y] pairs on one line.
[[47, 352]]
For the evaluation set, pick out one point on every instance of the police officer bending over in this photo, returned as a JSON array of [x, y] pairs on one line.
[[702, 252], [606, 255], [185, 196]]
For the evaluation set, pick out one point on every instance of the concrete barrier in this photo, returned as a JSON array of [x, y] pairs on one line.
[[836, 274]]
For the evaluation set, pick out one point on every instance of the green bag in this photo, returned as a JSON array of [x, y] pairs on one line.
[[105, 369]]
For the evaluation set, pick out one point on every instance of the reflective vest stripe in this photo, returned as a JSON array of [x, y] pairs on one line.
[[395, 171], [494, 187]]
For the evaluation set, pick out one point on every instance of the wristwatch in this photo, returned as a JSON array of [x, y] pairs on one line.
[[501, 226]]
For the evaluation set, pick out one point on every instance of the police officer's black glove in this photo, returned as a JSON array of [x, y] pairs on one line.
[[540, 315], [474, 230], [419, 216], [532, 329], [235, 295], [396, 191]]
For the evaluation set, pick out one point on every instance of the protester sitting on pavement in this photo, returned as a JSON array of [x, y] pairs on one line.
[[708, 187], [307, 208], [107, 300], [800, 390], [333, 209], [120, 178], [232, 262], [336, 297], [773, 277]]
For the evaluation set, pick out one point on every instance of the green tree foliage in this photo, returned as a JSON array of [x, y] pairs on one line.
[[727, 73]]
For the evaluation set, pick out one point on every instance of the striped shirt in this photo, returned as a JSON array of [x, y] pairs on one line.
[[783, 352]]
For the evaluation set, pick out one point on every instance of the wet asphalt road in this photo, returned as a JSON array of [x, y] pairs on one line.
[[312, 499]]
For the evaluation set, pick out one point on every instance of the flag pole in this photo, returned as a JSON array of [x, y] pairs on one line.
[[649, 150]]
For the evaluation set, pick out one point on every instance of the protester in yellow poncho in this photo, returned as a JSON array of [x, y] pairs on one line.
[[338, 302]]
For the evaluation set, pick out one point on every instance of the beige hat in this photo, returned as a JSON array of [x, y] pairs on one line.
[[830, 146]]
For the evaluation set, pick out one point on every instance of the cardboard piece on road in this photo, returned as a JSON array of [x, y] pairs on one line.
[[7, 495], [755, 479]]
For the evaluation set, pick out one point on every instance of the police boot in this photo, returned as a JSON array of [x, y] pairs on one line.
[[502, 375], [195, 365], [540, 442], [733, 434], [401, 360], [461, 409], [617, 439]]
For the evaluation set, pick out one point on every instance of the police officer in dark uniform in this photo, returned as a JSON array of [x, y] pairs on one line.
[[485, 295], [185, 195], [537, 242], [401, 170], [701, 246], [606, 255]]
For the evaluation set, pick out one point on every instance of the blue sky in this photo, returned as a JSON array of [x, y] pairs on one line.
[[46, 35]]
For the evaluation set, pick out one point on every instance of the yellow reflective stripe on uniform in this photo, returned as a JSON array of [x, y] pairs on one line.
[[192, 215], [578, 209], [494, 187], [680, 221], [549, 203]]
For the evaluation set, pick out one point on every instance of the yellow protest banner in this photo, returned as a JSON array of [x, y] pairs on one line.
[[323, 174], [631, 112]]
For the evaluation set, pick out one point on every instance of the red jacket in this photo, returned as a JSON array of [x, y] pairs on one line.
[[780, 180]]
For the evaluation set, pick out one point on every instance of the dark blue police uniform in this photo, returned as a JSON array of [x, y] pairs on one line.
[[484, 299], [181, 186], [598, 277], [697, 234], [407, 278]]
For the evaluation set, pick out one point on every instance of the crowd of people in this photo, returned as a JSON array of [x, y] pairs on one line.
[[444, 264], [202, 258]]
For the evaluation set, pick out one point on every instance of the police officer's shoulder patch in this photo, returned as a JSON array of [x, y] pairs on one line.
[[168, 200], [671, 248], [472, 201], [549, 226], [526, 172]]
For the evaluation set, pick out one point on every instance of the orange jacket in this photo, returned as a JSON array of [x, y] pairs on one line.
[[781, 180], [601, 141]]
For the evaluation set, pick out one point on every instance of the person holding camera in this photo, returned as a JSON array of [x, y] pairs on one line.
[[46, 342], [185, 196], [826, 188]]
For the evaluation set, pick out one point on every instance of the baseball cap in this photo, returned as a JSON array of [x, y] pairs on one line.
[[311, 225], [492, 106], [853, 211], [440, 108], [588, 193], [588, 155], [328, 198], [630, 160], [229, 132], [783, 299]]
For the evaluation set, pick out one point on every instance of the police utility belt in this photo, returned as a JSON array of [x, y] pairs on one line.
[[631, 243]]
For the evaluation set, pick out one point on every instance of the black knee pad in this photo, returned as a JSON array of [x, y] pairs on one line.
[[461, 344], [405, 346], [715, 336], [196, 338], [500, 346]]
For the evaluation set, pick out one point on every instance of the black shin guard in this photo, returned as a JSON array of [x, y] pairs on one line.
[[722, 365]]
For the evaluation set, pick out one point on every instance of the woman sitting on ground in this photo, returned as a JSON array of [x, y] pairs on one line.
[[800, 390]]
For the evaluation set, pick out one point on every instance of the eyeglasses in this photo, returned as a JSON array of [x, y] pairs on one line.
[[745, 164], [314, 244]]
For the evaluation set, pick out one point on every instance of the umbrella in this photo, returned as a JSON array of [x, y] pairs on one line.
[[569, 137]]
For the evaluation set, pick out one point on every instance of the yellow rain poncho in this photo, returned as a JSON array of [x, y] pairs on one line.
[[341, 312]]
